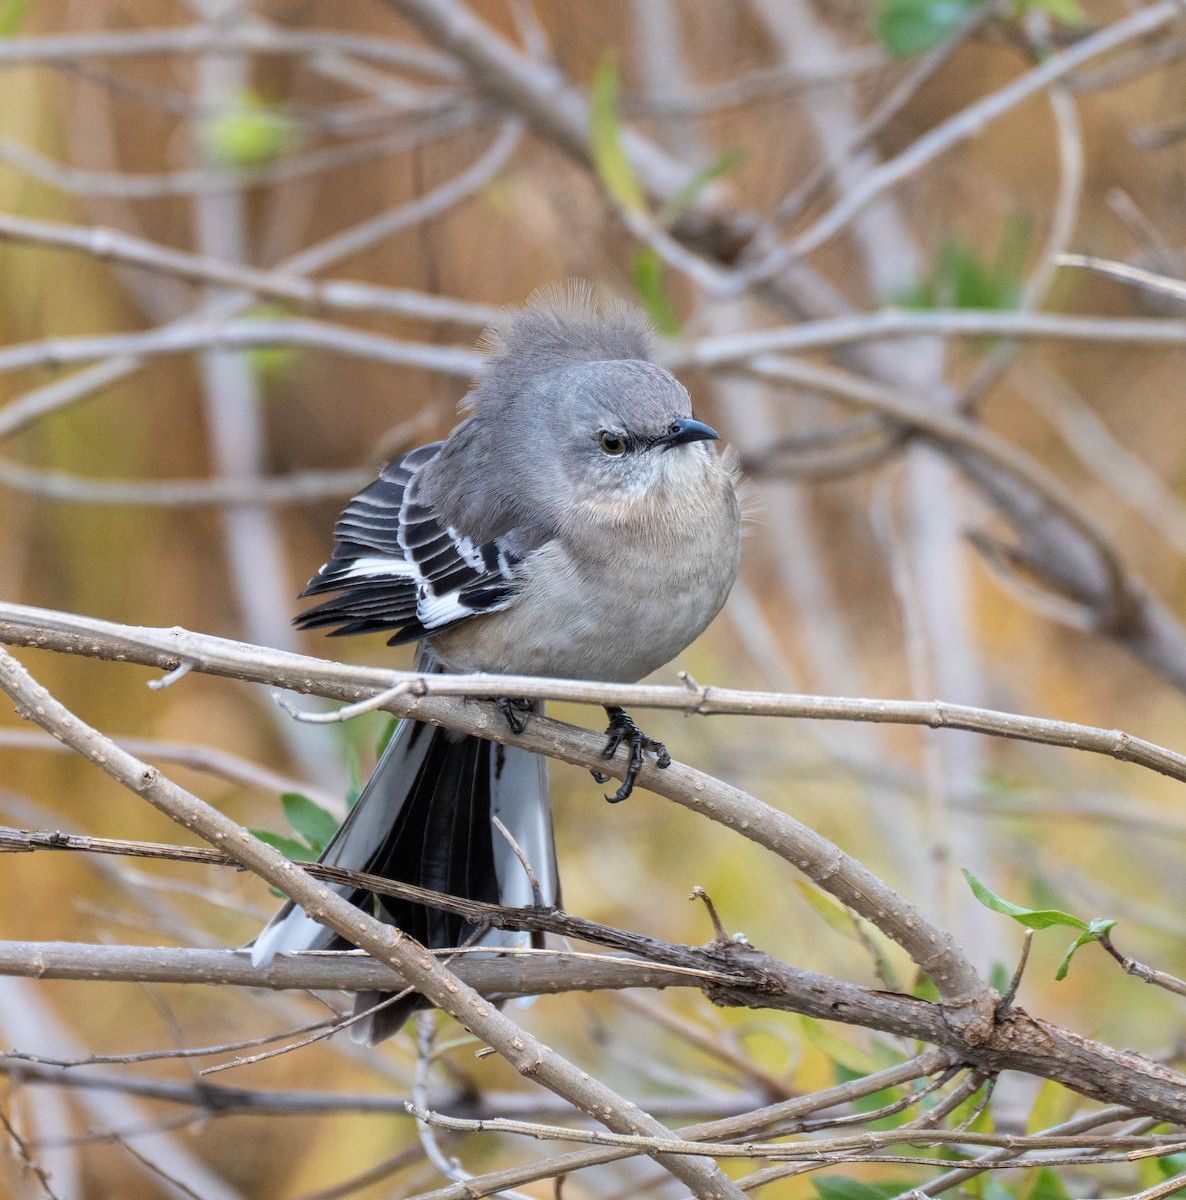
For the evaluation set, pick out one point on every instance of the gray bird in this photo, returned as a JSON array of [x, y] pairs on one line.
[[576, 524]]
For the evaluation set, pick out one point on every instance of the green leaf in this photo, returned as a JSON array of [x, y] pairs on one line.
[[844, 1054], [12, 13], [1069, 12], [1171, 1164], [924, 988], [994, 1189], [314, 823], [1046, 1185], [909, 27], [999, 977], [1090, 934], [834, 914], [842, 1187], [1053, 1105], [686, 196], [605, 135], [248, 132], [1031, 918], [646, 273], [270, 363], [967, 276], [286, 845]]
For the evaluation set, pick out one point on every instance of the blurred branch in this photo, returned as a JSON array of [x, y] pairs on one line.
[[220, 1100], [300, 487], [920, 73], [761, 85], [1095, 446], [35, 404], [786, 1115], [255, 36], [210, 179], [209, 759], [1059, 541], [1126, 272], [953, 131], [1115, 74], [889, 323], [198, 333], [275, 285]]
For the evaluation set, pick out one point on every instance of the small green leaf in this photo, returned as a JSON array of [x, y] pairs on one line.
[[1031, 918], [270, 363], [842, 1187], [994, 1189], [605, 135], [1053, 1105], [1069, 12], [686, 196], [834, 914], [924, 988], [12, 13], [844, 1054], [966, 276], [646, 273], [1090, 934], [248, 132], [909, 27], [999, 977], [314, 823], [290, 847], [1046, 1185], [1171, 1164]]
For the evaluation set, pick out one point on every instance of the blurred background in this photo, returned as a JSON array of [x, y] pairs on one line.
[[732, 167]]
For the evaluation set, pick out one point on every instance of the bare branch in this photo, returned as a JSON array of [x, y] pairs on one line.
[[237, 335], [392, 946]]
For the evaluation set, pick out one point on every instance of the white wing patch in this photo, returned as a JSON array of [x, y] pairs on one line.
[[364, 567], [398, 567]]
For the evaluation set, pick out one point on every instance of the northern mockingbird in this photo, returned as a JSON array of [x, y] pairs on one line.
[[577, 523]]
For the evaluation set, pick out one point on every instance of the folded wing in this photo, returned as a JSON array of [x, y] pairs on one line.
[[396, 566]]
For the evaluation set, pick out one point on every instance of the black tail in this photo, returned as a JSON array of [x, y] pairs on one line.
[[425, 818]]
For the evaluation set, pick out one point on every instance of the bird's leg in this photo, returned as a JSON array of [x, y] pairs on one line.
[[511, 709], [621, 729]]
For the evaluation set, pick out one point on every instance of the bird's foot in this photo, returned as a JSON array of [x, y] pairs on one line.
[[511, 709], [623, 729]]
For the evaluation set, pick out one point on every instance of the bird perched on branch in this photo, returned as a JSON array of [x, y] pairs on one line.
[[579, 524]]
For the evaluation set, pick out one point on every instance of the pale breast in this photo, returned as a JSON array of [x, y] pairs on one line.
[[616, 596]]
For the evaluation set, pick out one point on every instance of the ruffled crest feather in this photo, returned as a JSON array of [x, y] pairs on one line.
[[561, 323]]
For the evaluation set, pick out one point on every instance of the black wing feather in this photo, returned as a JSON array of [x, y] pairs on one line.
[[396, 567]]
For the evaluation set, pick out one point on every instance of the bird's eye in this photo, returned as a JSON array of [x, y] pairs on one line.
[[611, 443]]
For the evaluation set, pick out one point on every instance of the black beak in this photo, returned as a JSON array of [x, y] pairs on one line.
[[685, 430]]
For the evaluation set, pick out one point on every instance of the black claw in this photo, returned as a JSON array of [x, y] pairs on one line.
[[622, 728], [510, 709]]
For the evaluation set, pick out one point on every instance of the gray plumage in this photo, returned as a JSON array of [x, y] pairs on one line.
[[577, 523]]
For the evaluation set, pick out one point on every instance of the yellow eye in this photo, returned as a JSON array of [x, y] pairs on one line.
[[611, 443]]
